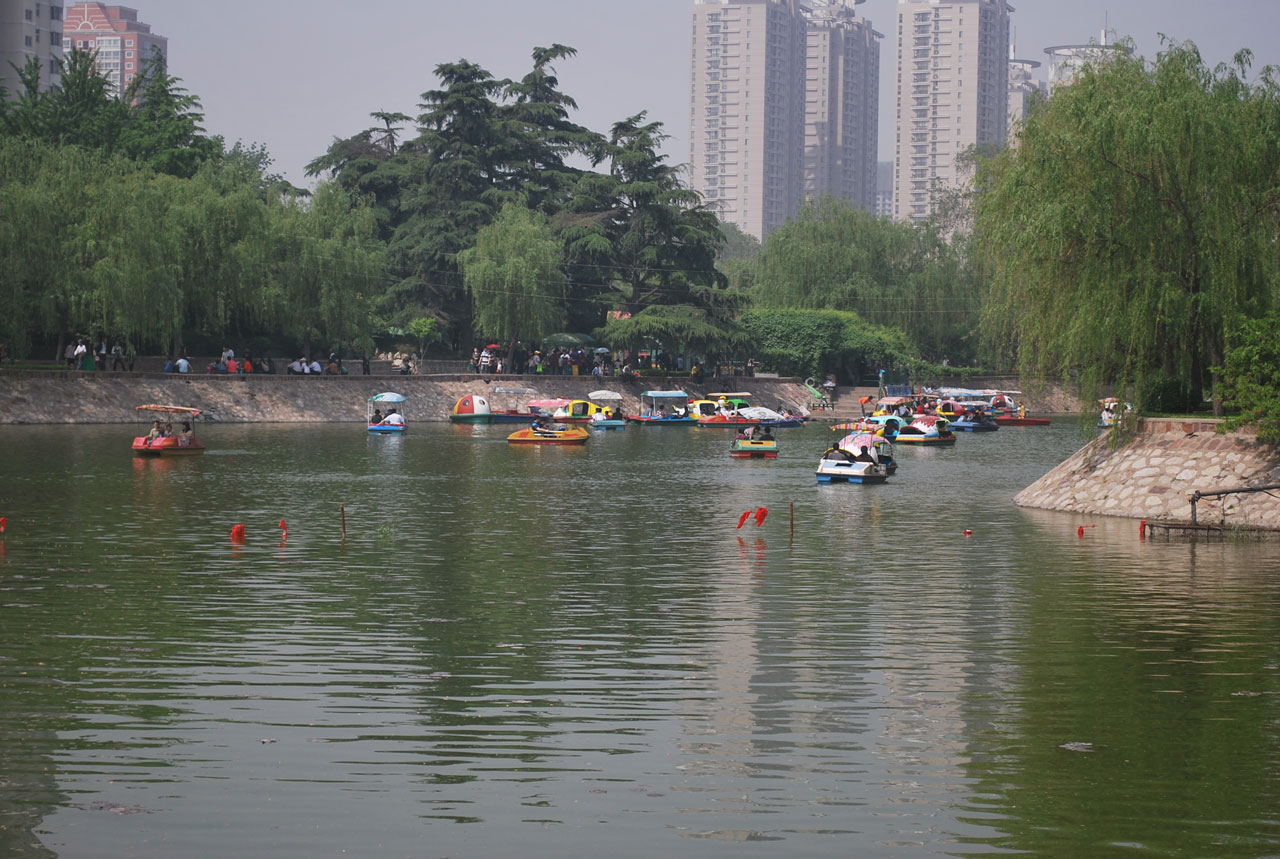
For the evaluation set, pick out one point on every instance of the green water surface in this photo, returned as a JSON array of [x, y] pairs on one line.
[[557, 652]]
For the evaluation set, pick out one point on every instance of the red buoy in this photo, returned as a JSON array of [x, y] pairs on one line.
[[761, 513], [742, 520], [4, 523], [968, 533], [237, 533]]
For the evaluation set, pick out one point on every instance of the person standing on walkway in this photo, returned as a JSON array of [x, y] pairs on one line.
[[117, 356]]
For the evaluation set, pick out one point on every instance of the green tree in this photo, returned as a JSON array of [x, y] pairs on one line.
[[1251, 376], [836, 257], [163, 131], [514, 277], [1136, 216], [814, 342]]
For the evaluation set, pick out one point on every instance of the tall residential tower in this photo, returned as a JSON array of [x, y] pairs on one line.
[[123, 43], [784, 105], [953, 94], [30, 29], [841, 117]]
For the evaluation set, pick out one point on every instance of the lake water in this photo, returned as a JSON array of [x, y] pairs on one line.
[[575, 652]]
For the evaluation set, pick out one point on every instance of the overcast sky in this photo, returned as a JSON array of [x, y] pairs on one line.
[[295, 75]]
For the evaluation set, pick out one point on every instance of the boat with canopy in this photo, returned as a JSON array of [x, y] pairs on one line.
[[162, 440], [390, 423]]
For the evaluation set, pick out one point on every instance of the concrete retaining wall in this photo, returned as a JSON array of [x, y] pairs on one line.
[[104, 397], [1154, 474]]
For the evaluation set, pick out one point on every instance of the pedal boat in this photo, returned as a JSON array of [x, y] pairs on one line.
[[754, 448], [173, 446], [566, 435]]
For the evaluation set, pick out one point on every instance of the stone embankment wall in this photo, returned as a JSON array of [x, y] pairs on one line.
[[106, 397], [1153, 475]]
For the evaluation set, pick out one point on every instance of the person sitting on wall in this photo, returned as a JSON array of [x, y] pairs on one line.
[[296, 368]]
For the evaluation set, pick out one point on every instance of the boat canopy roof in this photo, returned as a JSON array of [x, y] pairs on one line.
[[387, 397], [742, 395], [894, 401], [554, 403], [760, 413], [604, 395], [177, 410], [666, 395], [974, 393], [504, 389]]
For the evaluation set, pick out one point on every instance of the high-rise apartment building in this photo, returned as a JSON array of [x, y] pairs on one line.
[[122, 42], [784, 106], [29, 28], [747, 110], [953, 87], [842, 87]]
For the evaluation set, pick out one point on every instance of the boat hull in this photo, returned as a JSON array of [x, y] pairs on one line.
[[1022, 422], [667, 420], [572, 435], [746, 448], [961, 426], [613, 424], [472, 419], [839, 471], [166, 447], [387, 429]]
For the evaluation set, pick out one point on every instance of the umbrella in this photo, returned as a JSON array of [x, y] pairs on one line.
[[602, 350], [566, 339], [492, 346]]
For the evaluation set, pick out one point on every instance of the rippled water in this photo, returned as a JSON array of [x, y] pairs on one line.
[[575, 652]]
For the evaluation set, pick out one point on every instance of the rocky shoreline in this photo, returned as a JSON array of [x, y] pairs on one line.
[[1153, 474]]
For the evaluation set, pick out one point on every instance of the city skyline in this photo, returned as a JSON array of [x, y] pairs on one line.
[[305, 88]]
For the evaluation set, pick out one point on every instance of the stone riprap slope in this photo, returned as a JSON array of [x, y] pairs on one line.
[[1153, 475]]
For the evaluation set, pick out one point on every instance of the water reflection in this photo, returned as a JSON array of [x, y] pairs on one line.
[[580, 651]]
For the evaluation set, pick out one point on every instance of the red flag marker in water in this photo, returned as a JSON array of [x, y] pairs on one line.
[[237, 533], [1142, 529], [968, 533], [743, 519], [4, 523], [761, 513], [284, 530]]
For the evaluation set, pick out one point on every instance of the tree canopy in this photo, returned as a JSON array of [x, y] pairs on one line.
[[1136, 216]]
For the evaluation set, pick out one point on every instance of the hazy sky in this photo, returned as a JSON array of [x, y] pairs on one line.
[[294, 75]]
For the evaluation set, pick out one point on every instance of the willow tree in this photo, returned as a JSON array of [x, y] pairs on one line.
[[514, 278], [836, 257], [1138, 212]]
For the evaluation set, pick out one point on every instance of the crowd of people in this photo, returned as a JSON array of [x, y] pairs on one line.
[[79, 355]]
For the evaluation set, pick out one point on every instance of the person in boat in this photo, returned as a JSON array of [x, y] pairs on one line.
[[168, 431], [393, 418], [864, 455], [767, 434], [749, 433], [184, 437], [377, 417], [156, 432]]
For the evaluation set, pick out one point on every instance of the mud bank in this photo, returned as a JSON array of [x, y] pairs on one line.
[[108, 398], [1153, 475]]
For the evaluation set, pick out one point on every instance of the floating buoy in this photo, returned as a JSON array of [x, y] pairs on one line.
[[761, 513], [284, 530], [968, 533], [743, 519], [4, 523], [1142, 529], [237, 533], [1080, 531]]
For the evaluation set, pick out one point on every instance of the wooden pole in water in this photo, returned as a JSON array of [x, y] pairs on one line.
[[793, 520], [342, 510]]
